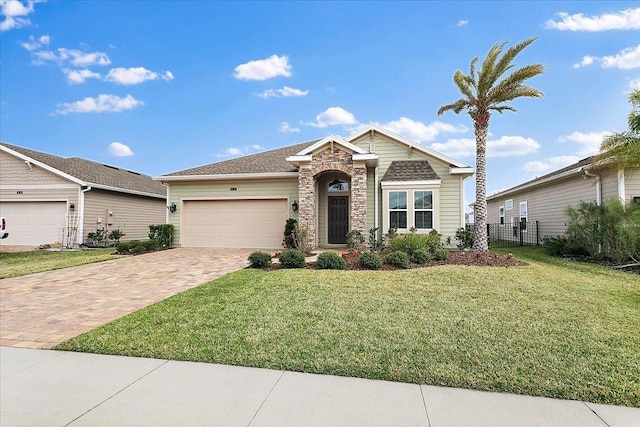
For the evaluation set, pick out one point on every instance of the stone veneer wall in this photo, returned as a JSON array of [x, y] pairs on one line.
[[332, 160]]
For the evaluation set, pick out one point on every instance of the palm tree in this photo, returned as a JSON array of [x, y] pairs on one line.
[[623, 149], [483, 92]]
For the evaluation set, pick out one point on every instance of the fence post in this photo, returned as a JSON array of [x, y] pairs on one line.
[[521, 233], [488, 235]]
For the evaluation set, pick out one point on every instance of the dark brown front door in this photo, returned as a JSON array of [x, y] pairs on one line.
[[338, 219]]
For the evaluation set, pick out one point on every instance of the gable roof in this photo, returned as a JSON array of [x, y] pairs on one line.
[[559, 174], [410, 170], [88, 173], [268, 163], [426, 150]]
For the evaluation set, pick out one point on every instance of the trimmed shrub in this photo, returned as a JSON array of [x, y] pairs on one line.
[[421, 256], [408, 243], [162, 233], [330, 261], [259, 259], [292, 258], [370, 261], [441, 255], [398, 259]]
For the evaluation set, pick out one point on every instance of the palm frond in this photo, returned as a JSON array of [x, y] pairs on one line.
[[487, 69], [622, 150], [464, 84], [634, 115], [456, 107], [505, 62], [502, 108]]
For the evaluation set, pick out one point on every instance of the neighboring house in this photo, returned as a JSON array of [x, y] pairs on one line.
[[374, 178], [545, 198], [49, 199]]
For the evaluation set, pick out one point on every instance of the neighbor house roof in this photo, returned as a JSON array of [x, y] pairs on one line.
[[89, 173], [267, 162], [572, 169], [410, 170]]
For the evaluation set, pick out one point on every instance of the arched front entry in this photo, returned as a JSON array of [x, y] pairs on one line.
[[334, 190]]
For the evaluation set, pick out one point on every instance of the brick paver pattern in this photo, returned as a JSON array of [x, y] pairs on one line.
[[45, 309]]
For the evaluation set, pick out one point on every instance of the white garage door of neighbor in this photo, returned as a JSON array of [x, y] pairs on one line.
[[234, 223], [33, 223]]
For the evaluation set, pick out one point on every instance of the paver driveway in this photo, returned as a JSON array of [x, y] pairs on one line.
[[44, 309]]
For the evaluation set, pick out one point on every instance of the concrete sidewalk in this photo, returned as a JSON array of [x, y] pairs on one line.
[[50, 388]]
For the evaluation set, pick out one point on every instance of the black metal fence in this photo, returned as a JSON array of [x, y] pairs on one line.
[[510, 235]]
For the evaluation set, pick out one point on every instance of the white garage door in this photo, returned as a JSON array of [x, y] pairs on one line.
[[33, 223], [234, 223]]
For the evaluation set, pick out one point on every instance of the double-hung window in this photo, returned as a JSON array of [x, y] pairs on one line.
[[398, 209], [501, 214], [423, 209]]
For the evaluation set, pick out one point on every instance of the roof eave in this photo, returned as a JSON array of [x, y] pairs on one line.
[[384, 184], [124, 190], [332, 138], [225, 177], [42, 165], [533, 184]]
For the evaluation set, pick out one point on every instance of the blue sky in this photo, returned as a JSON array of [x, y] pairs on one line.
[[163, 86]]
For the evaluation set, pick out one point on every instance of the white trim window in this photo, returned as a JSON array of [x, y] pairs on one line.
[[423, 209], [398, 210], [508, 204], [523, 215], [501, 214]]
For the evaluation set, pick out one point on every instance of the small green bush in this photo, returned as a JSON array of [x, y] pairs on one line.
[[421, 256], [259, 259], [124, 247], [162, 233], [398, 259], [355, 240], [330, 261], [441, 255], [292, 258], [370, 261]]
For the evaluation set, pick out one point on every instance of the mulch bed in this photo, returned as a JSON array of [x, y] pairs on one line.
[[470, 258]]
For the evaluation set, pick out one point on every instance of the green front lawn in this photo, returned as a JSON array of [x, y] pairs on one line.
[[21, 263], [552, 328]]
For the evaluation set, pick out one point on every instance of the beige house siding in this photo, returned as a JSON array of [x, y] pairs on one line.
[[130, 213], [450, 209], [247, 189], [15, 171], [546, 204], [632, 184]]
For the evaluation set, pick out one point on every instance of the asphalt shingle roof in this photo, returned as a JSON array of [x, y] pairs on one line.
[[265, 162], [410, 170], [95, 173]]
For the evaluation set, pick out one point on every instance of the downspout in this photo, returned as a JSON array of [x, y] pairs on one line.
[[598, 185], [598, 195], [621, 189], [166, 217], [375, 202], [80, 236]]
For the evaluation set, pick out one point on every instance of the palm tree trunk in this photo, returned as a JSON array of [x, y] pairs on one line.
[[481, 128]]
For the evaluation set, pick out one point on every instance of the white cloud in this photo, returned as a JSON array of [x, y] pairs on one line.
[[333, 116], [587, 60], [506, 146], [462, 23], [74, 57], [590, 142], [626, 59], [118, 149], [135, 75], [263, 69], [634, 84], [240, 151], [625, 20], [551, 163], [14, 12], [285, 128], [418, 131], [102, 104], [79, 76], [34, 44], [285, 92]]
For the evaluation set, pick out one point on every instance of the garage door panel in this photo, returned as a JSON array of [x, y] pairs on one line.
[[234, 223], [33, 223]]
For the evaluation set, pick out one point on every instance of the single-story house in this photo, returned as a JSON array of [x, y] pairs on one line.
[[371, 179], [48, 199], [544, 199]]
